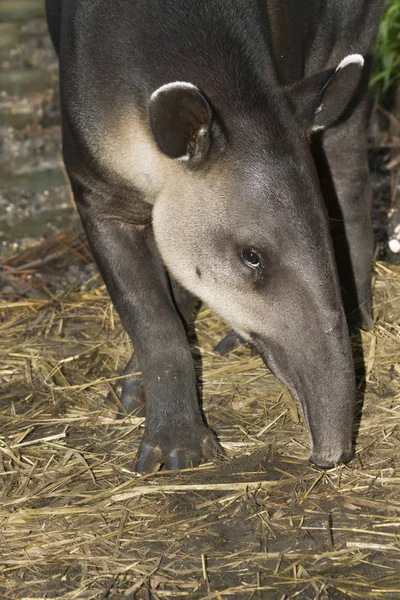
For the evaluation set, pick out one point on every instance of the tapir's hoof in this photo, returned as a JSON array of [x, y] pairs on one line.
[[130, 395], [325, 463], [230, 343], [200, 444]]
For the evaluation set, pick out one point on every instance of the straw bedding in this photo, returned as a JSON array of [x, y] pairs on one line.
[[76, 521]]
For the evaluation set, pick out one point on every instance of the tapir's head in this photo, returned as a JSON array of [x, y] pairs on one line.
[[241, 223]]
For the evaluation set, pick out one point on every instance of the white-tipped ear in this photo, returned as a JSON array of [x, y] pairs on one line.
[[180, 119], [348, 60], [173, 85], [321, 99]]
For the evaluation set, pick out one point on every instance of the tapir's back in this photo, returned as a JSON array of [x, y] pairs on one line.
[[216, 36]]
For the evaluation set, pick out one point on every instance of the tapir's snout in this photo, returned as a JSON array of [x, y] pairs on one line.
[[316, 365]]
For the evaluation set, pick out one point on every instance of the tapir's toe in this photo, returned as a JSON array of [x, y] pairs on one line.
[[128, 392], [132, 399], [177, 453], [181, 458]]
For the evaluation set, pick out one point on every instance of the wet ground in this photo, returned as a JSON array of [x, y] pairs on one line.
[[34, 198]]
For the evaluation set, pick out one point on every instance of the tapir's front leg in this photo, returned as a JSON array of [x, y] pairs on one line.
[[129, 389], [175, 434]]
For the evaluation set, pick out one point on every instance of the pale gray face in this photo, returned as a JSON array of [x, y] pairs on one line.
[[244, 248], [215, 247], [199, 242]]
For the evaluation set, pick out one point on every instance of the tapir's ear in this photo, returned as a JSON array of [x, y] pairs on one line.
[[180, 119], [321, 99]]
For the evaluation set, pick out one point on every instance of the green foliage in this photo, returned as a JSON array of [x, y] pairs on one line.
[[387, 61]]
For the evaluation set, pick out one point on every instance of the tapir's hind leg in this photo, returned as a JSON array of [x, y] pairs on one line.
[[175, 434]]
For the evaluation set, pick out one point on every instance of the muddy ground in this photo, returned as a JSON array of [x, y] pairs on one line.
[[75, 520]]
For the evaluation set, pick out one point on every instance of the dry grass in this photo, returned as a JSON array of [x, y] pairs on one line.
[[77, 522]]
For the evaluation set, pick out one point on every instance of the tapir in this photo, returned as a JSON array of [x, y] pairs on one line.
[[217, 152]]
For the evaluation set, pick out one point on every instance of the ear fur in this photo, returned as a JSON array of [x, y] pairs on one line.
[[180, 119], [321, 99]]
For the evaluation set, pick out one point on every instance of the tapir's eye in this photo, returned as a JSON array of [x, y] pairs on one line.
[[251, 258]]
